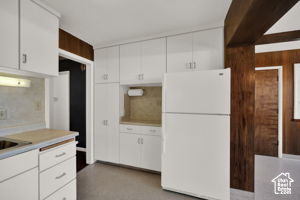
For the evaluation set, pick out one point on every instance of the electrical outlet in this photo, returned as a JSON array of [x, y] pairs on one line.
[[3, 114]]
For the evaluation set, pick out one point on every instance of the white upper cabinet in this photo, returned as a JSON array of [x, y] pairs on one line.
[[130, 63], [38, 39], [9, 22], [208, 49], [143, 62], [201, 50], [107, 65], [179, 53], [153, 60]]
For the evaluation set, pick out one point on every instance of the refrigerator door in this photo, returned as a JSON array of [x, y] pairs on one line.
[[196, 155], [206, 92]]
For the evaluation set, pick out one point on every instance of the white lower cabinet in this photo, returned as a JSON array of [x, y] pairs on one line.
[[130, 150], [151, 152], [56, 177], [58, 172], [23, 186], [66, 193], [140, 150], [15, 174]]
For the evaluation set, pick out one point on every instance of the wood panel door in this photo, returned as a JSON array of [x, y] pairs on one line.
[[266, 112]]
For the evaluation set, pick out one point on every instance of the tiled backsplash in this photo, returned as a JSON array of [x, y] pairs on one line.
[[146, 108], [23, 106]]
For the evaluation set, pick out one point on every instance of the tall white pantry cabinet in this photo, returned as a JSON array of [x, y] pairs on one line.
[[106, 105]]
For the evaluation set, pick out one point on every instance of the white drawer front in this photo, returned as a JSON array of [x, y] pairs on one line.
[[66, 193], [14, 165], [54, 156], [151, 130], [56, 177], [129, 129]]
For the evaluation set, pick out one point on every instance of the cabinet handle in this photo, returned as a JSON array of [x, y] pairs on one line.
[[60, 155], [194, 65], [152, 131], [142, 76], [142, 140], [139, 76], [60, 176], [65, 198], [104, 123], [106, 76], [138, 141], [129, 129], [24, 58]]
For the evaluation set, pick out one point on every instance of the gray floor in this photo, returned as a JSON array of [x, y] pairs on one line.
[[106, 182]]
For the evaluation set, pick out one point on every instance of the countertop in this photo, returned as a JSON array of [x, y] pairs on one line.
[[38, 139]]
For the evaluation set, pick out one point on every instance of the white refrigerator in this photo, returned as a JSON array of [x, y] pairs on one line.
[[196, 133]]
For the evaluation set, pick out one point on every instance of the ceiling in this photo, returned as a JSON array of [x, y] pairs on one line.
[[289, 22], [101, 22]]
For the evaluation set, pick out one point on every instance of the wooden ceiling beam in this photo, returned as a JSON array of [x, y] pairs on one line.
[[248, 20], [279, 37]]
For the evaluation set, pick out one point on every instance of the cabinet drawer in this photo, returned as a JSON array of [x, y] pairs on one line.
[[66, 193], [150, 130], [56, 177], [129, 129], [146, 130], [54, 156], [15, 165]]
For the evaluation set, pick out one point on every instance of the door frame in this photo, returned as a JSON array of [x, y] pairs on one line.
[[280, 105], [89, 101]]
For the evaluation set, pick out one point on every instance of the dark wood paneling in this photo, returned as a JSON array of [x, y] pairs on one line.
[[248, 20], [241, 61], [74, 45], [266, 112], [279, 37], [291, 127]]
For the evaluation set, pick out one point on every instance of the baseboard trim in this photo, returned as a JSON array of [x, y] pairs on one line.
[[236, 194]]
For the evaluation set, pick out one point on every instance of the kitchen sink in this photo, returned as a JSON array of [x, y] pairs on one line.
[[6, 143]]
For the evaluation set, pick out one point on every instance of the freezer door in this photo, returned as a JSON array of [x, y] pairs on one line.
[[196, 155], [197, 92]]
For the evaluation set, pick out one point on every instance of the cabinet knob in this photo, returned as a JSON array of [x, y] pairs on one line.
[[194, 65], [24, 58]]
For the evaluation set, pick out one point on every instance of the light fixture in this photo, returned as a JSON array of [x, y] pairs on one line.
[[14, 82]]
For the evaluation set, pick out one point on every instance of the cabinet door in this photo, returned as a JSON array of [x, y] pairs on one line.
[[23, 186], [107, 65], [179, 52], [153, 60], [130, 63], [38, 39], [113, 64], [208, 49], [130, 149], [9, 22], [113, 133], [100, 128], [100, 65], [151, 152]]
